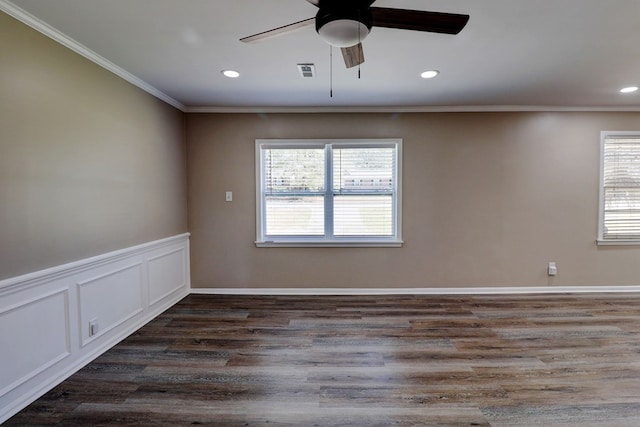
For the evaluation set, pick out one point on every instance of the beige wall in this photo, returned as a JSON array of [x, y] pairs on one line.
[[88, 162], [489, 199]]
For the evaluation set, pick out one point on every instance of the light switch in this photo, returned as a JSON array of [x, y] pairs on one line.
[[229, 196], [552, 269]]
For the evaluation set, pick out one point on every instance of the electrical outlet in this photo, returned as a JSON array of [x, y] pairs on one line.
[[93, 327], [228, 196]]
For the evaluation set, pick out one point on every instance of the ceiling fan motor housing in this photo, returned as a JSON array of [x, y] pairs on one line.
[[343, 26]]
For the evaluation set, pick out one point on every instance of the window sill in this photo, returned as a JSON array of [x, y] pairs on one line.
[[331, 244], [619, 242]]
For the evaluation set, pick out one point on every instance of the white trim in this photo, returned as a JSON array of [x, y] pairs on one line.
[[183, 284], [328, 239], [57, 377], [69, 280], [54, 360], [510, 290], [84, 264], [49, 31], [397, 200], [331, 244], [409, 109], [617, 242], [128, 316], [601, 241], [259, 173]]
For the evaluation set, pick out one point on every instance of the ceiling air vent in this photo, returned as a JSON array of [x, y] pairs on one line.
[[307, 70]]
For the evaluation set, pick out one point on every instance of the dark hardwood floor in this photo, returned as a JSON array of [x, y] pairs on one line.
[[531, 360]]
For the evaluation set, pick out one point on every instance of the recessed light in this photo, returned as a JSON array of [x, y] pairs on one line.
[[629, 89], [429, 74], [232, 74]]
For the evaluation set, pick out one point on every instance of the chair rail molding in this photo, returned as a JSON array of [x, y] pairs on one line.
[[75, 312]]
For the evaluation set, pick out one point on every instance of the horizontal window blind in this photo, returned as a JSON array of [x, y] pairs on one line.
[[621, 187], [294, 187], [328, 191], [363, 216], [363, 185]]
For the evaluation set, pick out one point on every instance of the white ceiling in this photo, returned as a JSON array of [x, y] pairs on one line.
[[512, 53]]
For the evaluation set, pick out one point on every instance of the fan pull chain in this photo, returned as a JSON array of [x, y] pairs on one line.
[[330, 71], [359, 50]]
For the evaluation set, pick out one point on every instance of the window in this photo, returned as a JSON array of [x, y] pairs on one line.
[[620, 188], [328, 192]]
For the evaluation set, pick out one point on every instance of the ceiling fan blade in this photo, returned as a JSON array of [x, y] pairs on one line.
[[418, 20], [340, 3], [278, 31], [353, 55]]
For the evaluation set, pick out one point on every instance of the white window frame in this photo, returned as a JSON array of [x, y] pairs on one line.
[[601, 240], [326, 241]]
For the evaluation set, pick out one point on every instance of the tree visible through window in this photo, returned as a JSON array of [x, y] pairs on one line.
[[328, 192]]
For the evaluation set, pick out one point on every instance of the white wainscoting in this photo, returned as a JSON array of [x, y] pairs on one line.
[[45, 317]]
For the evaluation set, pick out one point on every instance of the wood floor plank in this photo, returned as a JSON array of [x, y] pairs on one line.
[[403, 360]]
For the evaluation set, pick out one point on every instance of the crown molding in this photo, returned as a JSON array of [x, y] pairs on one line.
[[412, 109], [51, 32], [37, 24]]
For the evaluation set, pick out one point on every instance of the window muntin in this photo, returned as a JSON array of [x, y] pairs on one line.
[[328, 192], [620, 188]]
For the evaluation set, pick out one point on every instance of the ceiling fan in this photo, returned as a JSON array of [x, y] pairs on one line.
[[345, 23]]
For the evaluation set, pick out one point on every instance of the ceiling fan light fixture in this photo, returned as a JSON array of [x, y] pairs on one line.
[[343, 32], [342, 25]]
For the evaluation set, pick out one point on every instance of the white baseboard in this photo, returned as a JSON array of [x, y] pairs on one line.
[[51, 309], [417, 291]]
